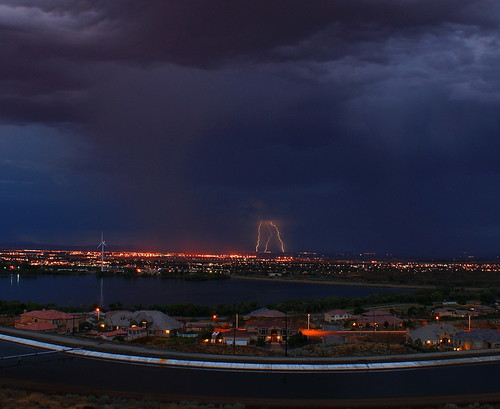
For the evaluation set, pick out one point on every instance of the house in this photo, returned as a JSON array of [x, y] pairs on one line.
[[239, 337], [37, 326], [110, 335], [337, 315], [136, 332], [48, 320], [433, 334], [272, 330], [128, 334], [454, 313], [476, 339], [198, 326], [157, 323], [378, 319], [120, 319], [484, 310], [265, 313]]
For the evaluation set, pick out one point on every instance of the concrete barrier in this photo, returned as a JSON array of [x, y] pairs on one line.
[[249, 366]]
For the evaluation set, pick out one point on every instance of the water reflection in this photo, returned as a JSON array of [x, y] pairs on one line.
[[15, 281]]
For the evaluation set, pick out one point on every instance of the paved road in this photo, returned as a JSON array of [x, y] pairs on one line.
[[72, 371]]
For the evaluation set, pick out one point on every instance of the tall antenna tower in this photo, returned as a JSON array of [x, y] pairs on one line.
[[102, 245]]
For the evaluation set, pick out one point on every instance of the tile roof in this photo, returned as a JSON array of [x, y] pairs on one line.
[[376, 313], [431, 332], [137, 329], [265, 312], [266, 323], [380, 319], [156, 320], [337, 312], [115, 333], [240, 333], [479, 335], [37, 326], [120, 318], [48, 315]]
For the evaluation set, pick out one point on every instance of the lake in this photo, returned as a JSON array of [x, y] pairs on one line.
[[75, 290]]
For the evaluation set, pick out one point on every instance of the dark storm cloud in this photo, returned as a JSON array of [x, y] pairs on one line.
[[44, 43], [355, 123]]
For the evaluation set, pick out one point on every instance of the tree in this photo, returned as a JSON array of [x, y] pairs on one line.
[[261, 341], [297, 340]]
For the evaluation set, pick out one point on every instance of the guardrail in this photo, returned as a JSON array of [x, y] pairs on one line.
[[253, 366]]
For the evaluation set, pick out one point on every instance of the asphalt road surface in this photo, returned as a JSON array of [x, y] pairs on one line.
[[108, 376]]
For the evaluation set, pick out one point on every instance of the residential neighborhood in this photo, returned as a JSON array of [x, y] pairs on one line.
[[449, 327]]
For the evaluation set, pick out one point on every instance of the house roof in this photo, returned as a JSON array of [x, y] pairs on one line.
[[37, 326], [136, 329], [115, 333], [48, 315], [265, 324], [431, 332], [479, 335], [337, 312], [276, 323], [379, 319], [240, 333], [376, 313], [157, 320], [484, 308], [121, 318], [266, 313]]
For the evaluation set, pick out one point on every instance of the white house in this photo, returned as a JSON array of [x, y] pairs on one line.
[[157, 323], [238, 337], [337, 315], [477, 339], [433, 334]]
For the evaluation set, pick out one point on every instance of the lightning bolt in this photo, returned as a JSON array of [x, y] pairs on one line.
[[268, 238], [258, 238], [278, 235], [272, 229]]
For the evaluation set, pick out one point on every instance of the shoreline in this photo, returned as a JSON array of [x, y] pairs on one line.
[[334, 282]]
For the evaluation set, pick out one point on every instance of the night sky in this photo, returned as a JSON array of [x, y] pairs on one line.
[[355, 125]]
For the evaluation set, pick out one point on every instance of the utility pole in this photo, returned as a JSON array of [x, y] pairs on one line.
[[234, 333], [286, 334]]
